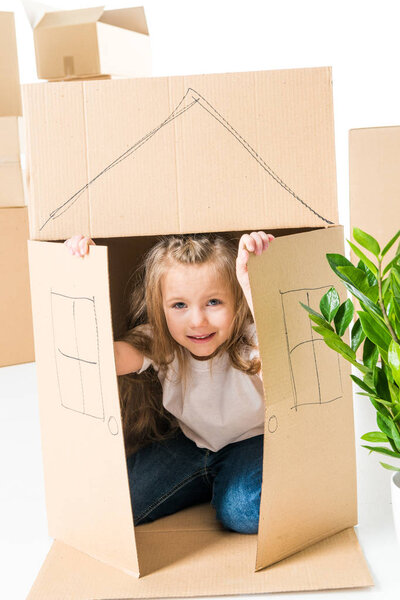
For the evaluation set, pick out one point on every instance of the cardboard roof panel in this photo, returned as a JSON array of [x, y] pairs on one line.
[[199, 147], [10, 91], [64, 154], [309, 477], [375, 182], [87, 491]]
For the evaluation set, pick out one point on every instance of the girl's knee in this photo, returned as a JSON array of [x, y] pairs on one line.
[[239, 510]]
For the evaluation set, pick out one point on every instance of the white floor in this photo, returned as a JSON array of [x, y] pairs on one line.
[[24, 542]]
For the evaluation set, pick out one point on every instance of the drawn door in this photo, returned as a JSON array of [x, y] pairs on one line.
[[309, 479], [87, 492]]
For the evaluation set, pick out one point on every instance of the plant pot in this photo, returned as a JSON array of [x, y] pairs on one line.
[[395, 489]]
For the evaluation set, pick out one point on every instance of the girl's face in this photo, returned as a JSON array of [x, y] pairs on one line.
[[198, 307]]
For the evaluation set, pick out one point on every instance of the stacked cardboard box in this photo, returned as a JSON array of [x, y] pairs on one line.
[[90, 43], [132, 159], [15, 307]]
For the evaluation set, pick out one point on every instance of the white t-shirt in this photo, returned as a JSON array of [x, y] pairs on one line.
[[218, 407]]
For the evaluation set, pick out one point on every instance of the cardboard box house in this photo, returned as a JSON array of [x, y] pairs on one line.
[[90, 42], [15, 306], [144, 157]]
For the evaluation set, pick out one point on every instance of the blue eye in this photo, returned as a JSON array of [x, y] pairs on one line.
[[179, 305], [215, 301]]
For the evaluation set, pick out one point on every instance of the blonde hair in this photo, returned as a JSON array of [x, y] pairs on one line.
[[144, 417]]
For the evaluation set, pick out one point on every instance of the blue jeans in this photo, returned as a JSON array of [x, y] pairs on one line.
[[167, 476]]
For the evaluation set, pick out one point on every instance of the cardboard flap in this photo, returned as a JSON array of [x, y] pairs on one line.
[[36, 10], [61, 18], [87, 491], [309, 473], [183, 154], [202, 563], [133, 19]]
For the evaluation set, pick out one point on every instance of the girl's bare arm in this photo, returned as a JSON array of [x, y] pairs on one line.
[[127, 358], [257, 242]]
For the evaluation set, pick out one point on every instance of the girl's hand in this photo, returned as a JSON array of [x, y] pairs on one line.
[[257, 242], [78, 245]]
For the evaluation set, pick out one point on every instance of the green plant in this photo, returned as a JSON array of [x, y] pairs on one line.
[[377, 328]]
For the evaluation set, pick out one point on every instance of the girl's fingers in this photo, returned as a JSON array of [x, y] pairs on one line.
[[78, 245]]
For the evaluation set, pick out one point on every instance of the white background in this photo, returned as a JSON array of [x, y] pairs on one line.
[[361, 41]]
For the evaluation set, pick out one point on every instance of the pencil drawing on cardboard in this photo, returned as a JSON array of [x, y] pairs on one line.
[[191, 100]]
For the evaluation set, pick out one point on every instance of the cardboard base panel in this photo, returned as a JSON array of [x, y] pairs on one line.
[[200, 563]]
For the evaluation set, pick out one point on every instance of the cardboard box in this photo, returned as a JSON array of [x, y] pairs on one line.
[[90, 42], [225, 153], [375, 182], [10, 92], [11, 185], [15, 306]]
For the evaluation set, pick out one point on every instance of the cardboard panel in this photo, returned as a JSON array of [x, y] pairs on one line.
[[10, 91], [309, 477], [185, 154], [15, 306], [375, 182], [87, 492], [201, 563], [62, 51], [64, 154], [11, 186]]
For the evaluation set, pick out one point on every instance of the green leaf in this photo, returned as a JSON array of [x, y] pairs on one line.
[[366, 302], [390, 243], [374, 436], [395, 435], [389, 467], [372, 397], [357, 335], [390, 265], [381, 384], [356, 276], [394, 360], [316, 317], [366, 241], [371, 277], [363, 385], [382, 450], [343, 317], [394, 393], [370, 353], [384, 424], [362, 256], [329, 304], [377, 333], [334, 342]]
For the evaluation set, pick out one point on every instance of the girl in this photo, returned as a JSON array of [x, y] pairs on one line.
[[190, 385]]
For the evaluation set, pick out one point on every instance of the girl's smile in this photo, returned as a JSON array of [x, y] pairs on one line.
[[198, 307]]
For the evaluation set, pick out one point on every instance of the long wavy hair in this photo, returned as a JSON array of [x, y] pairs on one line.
[[144, 417]]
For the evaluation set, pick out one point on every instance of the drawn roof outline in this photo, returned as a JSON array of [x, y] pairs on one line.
[[196, 99]]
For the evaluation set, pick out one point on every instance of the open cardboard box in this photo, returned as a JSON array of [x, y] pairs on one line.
[[226, 153], [15, 306], [90, 42]]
